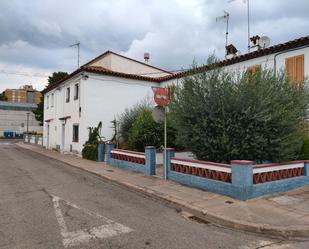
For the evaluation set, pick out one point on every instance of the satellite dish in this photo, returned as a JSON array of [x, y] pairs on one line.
[[264, 42]]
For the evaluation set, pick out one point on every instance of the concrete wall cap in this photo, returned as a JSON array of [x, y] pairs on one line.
[[241, 162], [150, 147]]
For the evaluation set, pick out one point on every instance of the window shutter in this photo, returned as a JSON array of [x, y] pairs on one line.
[[294, 67], [252, 70], [299, 61]]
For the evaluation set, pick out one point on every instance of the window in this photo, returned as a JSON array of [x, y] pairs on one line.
[[47, 102], [68, 95], [52, 100], [294, 67], [75, 132], [76, 91]]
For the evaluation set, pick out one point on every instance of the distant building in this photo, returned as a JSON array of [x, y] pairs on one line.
[[26, 94], [13, 117]]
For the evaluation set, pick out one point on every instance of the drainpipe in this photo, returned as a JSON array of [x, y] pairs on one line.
[[286, 51]]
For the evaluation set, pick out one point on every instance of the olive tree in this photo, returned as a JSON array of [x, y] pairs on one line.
[[222, 116]]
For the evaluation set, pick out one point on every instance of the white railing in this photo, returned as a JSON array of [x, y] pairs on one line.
[[128, 153], [204, 165], [277, 166]]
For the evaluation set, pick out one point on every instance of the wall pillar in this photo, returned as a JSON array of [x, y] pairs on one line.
[[108, 154], [100, 152], [306, 165], [242, 178], [170, 152], [150, 160]]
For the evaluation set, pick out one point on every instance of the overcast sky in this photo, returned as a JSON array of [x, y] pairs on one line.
[[35, 34]]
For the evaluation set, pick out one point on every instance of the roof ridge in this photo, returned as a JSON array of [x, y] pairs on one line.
[[123, 56]]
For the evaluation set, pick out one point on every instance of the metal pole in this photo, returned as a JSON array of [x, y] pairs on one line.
[[28, 122], [248, 9], [227, 29], [78, 55], [165, 144]]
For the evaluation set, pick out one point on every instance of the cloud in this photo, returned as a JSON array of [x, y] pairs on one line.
[[36, 34]]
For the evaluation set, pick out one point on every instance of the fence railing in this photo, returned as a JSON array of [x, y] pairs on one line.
[[215, 171], [132, 160], [277, 171], [240, 179]]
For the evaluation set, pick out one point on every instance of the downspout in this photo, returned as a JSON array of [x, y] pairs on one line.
[[286, 51]]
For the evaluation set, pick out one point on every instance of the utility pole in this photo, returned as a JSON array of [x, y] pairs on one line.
[[76, 45]]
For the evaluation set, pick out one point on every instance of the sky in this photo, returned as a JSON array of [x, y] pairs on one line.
[[35, 35]]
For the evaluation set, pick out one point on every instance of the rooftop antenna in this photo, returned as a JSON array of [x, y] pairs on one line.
[[225, 18], [76, 45], [248, 19]]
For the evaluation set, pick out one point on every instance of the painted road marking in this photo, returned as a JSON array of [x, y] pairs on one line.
[[74, 238]]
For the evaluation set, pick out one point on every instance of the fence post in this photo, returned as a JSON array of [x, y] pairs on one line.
[[306, 165], [242, 178], [170, 152], [100, 152], [108, 149], [150, 160]]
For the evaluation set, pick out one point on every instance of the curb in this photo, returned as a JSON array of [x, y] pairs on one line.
[[291, 232]]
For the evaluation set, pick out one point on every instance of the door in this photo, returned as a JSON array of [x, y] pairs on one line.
[[47, 139], [63, 137]]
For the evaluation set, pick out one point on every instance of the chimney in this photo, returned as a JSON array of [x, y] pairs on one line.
[[231, 51], [255, 43], [146, 56]]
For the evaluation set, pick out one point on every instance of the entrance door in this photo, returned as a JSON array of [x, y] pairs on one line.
[[47, 139], [63, 137]]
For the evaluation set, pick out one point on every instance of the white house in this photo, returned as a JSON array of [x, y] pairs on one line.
[[102, 88]]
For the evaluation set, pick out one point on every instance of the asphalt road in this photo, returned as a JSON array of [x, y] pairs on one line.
[[48, 204]]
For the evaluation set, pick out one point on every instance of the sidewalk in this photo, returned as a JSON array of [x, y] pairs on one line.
[[284, 215]]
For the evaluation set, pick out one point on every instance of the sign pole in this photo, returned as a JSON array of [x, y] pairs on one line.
[[161, 97], [165, 144]]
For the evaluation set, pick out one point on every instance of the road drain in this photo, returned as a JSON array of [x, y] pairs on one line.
[[110, 170], [192, 217]]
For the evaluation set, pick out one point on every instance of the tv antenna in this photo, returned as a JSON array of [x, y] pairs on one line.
[[76, 45], [225, 18], [248, 19]]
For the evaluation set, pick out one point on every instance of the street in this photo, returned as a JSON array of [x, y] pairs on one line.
[[48, 204]]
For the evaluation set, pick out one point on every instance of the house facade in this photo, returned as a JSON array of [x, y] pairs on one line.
[[101, 89]]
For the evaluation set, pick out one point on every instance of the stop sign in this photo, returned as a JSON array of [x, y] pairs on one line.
[[161, 96]]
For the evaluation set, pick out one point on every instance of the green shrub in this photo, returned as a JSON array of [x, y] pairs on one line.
[[304, 152], [221, 116], [145, 132], [128, 117], [90, 152]]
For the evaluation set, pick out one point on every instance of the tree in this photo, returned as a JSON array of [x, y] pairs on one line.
[[221, 116], [3, 97], [54, 78]]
